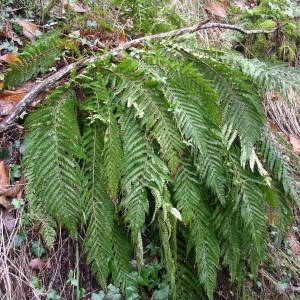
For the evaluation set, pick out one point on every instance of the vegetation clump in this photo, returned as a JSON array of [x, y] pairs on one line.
[[162, 144]]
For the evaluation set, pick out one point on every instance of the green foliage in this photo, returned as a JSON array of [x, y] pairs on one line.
[[149, 16], [53, 171], [35, 58], [283, 44], [172, 139], [268, 76]]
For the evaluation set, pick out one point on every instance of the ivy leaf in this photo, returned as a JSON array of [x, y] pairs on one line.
[[37, 249], [162, 293]]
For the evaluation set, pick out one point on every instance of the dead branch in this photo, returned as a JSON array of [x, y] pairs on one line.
[[49, 82]]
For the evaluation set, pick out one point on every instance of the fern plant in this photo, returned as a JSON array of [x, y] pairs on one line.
[[35, 59], [172, 138]]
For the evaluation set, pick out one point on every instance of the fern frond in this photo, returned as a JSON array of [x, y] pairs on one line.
[[135, 150], [186, 191], [99, 210], [42, 220], [248, 200], [112, 154], [240, 104], [194, 211], [50, 163], [135, 206], [267, 75], [165, 233], [153, 109], [279, 167], [134, 203], [252, 212], [198, 130], [187, 284], [120, 265], [48, 231], [36, 59], [101, 107]]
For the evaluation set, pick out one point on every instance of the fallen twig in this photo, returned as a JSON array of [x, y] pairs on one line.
[[49, 82]]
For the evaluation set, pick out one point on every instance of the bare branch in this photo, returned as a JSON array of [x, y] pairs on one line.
[[49, 82]]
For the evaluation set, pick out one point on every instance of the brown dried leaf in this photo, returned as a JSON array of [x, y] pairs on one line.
[[6, 107], [9, 99], [4, 179], [14, 190], [10, 58], [75, 7], [4, 183], [28, 29], [7, 32], [225, 3], [37, 264], [4, 202], [294, 243], [295, 141], [215, 9], [121, 37], [9, 222], [271, 218], [273, 126]]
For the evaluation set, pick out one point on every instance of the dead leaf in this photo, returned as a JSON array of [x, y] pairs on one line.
[[29, 29], [121, 37], [10, 58], [4, 180], [294, 244], [4, 202], [75, 7], [273, 125], [7, 32], [274, 96], [6, 108], [4, 183], [37, 264], [271, 218], [9, 222], [295, 141], [215, 9], [9, 99], [225, 3], [14, 190]]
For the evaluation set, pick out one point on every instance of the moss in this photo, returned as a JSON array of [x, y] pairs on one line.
[[275, 9], [287, 51]]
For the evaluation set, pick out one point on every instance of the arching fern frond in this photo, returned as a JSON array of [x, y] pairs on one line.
[[267, 75], [279, 167], [99, 209], [240, 104], [175, 143], [134, 203], [153, 109], [36, 59], [54, 144], [196, 213], [112, 155], [198, 130], [121, 250], [101, 107]]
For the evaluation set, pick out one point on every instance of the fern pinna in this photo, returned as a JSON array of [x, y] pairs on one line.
[[172, 138]]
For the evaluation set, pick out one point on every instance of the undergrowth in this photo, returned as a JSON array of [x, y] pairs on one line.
[[172, 138], [167, 143]]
